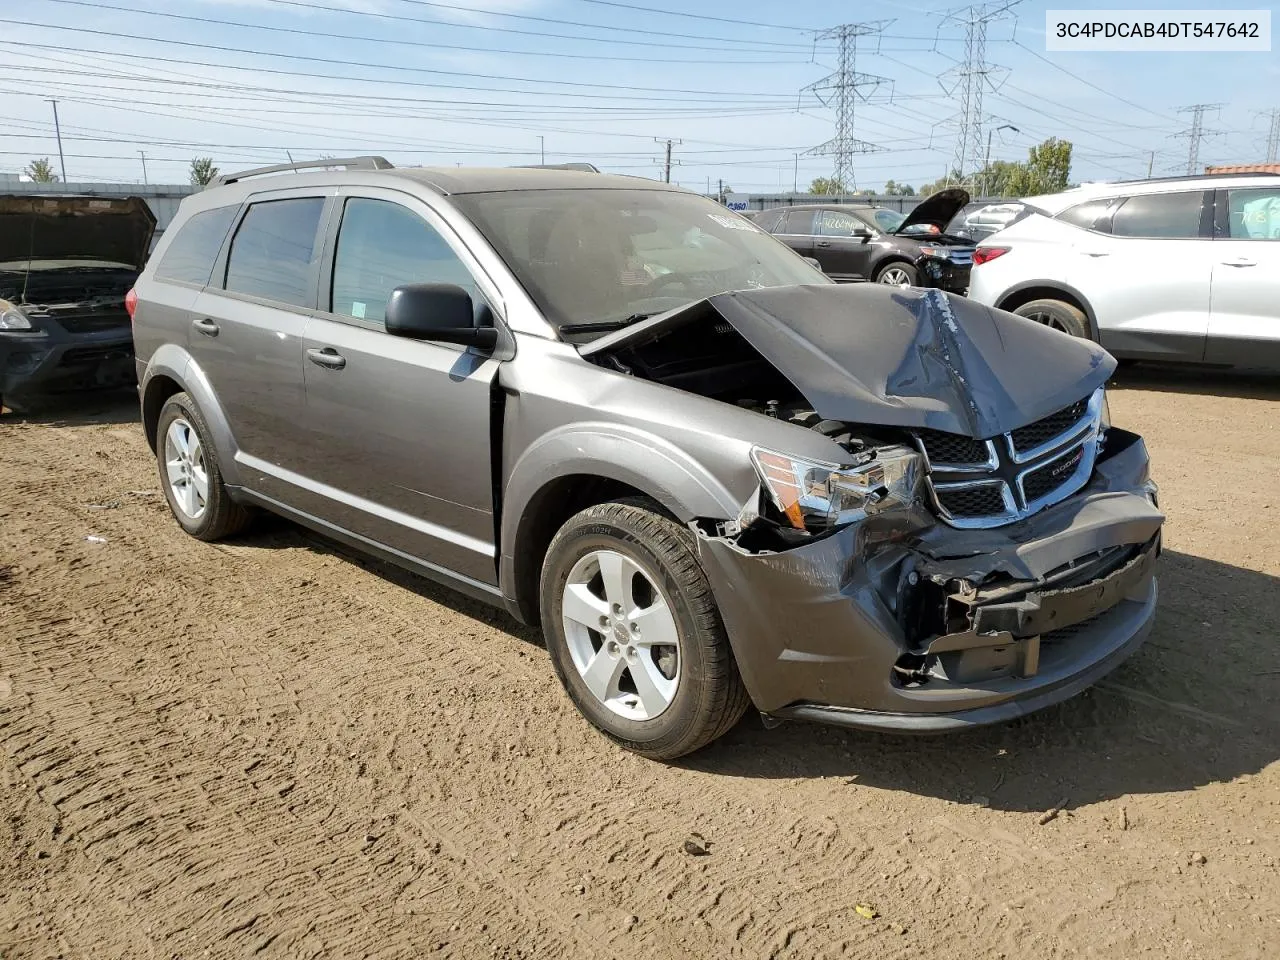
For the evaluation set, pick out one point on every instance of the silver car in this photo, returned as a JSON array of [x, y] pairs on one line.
[[715, 478]]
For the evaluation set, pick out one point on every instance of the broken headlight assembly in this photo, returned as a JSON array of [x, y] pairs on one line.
[[12, 317], [815, 497]]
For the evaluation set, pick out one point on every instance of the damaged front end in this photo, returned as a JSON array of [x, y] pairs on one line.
[[979, 541]]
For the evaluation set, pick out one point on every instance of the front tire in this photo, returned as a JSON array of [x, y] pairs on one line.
[[898, 274], [1057, 314], [190, 476], [634, 633]]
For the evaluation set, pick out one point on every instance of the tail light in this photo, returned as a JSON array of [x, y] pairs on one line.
[[985, 254], [131, 302]]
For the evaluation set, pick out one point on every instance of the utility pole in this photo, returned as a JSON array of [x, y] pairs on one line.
[[143, 155], [795, 176], [843, 89], [666, 163], [720, 194], [986, 164], [57, 129], [1151, 164], [1196, 133], [542, 148], [969, 79]]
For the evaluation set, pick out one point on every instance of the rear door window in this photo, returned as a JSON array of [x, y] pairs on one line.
[[274, 253], [192, 253], [797, 222], [1168, 216], [382, 245]]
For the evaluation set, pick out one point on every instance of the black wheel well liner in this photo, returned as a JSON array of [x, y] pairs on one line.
[[544, 514], [1023, 293], [159, 389]]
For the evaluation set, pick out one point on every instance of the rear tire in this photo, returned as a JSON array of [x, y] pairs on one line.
[[189, 474], [898, 274], [618, 579], [1059, 315]]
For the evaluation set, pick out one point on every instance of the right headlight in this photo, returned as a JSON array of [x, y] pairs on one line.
[[12, 317], [816, 496]]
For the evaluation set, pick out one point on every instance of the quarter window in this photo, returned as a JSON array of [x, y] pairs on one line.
[[190, 256], [382, 245], [1159, 215], [1089, 214], [797, 222], [1254, 214], [274, 250]]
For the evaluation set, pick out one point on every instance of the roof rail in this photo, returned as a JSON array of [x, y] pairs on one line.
[[1193, 176], [583, 167], [346, 163]]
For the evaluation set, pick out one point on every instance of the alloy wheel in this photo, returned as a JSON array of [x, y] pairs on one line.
[[622, 634], [895, 277], [186, 470], [1048, 320]]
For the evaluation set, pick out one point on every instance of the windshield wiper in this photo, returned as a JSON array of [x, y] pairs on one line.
[[603, 326]]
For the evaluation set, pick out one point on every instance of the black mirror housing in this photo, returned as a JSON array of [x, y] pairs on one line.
[[441, 312]]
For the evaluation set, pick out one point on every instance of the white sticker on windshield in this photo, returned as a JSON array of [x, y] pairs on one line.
[[732, 223], [357, 310]]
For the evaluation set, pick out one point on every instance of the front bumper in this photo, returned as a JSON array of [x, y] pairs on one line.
[[52, 360], [1032, 613]]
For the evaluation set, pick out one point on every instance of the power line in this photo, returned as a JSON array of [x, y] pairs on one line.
[[1196, 133], [359, 63], [696, 16], [845, 86], [1089, 83], [298, 31]]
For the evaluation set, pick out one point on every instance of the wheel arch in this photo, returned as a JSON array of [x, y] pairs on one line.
[[171, 370], [574, 469], [1023, 293]]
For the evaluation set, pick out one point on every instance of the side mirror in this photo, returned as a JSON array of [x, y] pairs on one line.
[[436, 311], [862, 233], [811, 261]]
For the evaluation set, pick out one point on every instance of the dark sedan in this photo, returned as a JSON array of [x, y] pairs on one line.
[[860, 242]]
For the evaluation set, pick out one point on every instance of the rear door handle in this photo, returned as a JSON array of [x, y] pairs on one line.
[[326, 357], [206, 326], [822, 243], [1240, 262], [1096, 253]]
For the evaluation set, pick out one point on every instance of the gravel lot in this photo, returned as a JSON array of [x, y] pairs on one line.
[[274, 747]]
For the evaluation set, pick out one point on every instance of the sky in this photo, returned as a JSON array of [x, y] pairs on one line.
[[504, 82]]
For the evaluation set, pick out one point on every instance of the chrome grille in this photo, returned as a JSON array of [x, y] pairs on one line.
[[986, 483]]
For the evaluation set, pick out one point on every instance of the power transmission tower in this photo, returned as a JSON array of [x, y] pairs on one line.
[[844, 88], [1273, 136], [1196, 133], [666, 163], [970, 78]]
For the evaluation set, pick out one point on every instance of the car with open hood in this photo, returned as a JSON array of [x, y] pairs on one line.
[[715, 478], [66, 264], [853, 241]]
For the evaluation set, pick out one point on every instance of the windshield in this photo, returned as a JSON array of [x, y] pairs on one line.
[[601, 256]]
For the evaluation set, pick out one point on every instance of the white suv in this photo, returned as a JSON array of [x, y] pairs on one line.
[[1177, 269]]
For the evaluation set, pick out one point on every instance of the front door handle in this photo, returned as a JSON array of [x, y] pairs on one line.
[[822, 243], [206, 326], [1096, 253], [1240, 262], [326, 357]]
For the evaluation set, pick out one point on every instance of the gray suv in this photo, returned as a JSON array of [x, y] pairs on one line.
[[714, 477]]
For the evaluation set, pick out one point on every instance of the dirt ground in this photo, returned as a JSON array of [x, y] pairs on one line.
[[275, 748]]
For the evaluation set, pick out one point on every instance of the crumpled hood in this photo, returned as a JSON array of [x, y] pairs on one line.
[[873, 354], [117, 230]]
